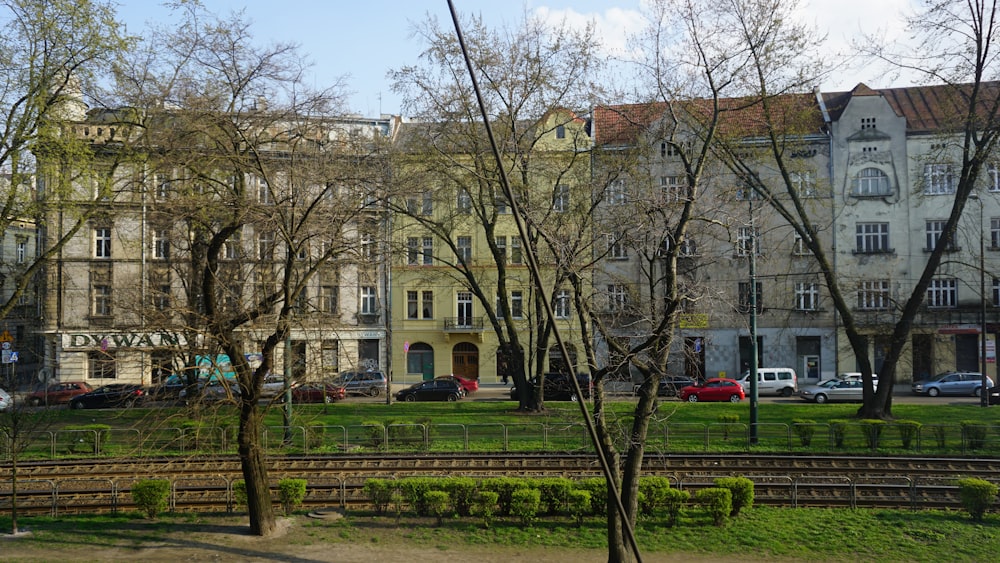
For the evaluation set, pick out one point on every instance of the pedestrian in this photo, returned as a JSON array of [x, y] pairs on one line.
[[503, 378]]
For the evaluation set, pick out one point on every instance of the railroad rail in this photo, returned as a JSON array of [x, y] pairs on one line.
[[205, 483]]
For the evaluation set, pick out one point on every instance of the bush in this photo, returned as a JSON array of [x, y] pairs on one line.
[[675, 501], [974, 433], [838, 432], [717, 502], [375, 431], [239, 488], [462, 491], [484, 505], [741, 490], [88, 437], [315, 431], [291, 493], [437, 504], [598, 489], [554, 492], [151, 496], [727, 420], [379, 491], [504, 487], [578, 503], [872, 427], [939, 433], [652, 494], [805, 429], [908, 430], [415, 489], [977, 495], [524, 504]]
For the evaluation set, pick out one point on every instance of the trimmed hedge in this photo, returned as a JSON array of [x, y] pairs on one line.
[[977, 496], [151, 496]]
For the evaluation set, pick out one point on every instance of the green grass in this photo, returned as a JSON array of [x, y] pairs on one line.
[[760, 532]]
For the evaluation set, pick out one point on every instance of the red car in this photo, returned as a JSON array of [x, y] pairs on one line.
[[58, 393], [317, 393], [467, 385], [714, 389]]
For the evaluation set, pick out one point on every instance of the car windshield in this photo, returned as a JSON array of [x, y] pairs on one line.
[[829, 383]]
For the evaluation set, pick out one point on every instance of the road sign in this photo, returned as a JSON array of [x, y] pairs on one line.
[[6, 337]]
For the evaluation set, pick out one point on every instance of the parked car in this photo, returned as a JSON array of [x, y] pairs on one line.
[[833, 390], [273, 386], [558, 387], [211, 391], [994, 397], [856, 375], [670, 385], [772, 381], [317, 393], [4, 400], [952, 383], [58, 393], [714, 389], [432, 390], [371, 383], [468, 385], [115, 395]]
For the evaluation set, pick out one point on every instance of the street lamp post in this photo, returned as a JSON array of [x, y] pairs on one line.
[[984, 395]]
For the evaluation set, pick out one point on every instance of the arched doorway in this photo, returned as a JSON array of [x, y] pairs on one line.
[[465, 360], [420, 359]]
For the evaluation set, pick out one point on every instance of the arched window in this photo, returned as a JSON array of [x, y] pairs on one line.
[[872, 182]]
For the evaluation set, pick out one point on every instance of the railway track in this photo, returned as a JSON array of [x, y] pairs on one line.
[[205, 483]]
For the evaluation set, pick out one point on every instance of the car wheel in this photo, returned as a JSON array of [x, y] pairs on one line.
[[574, 398], [374, 392], [452, 397], [787, 392], [129, 403], [410, 398], [933, 391], [821, 398], [692, 398], [35, 401], [978, 391], [734, 398], [76, 405]]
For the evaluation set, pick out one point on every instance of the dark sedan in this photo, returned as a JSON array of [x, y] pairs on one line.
[[432, 390], [116, 395], [317, 393]]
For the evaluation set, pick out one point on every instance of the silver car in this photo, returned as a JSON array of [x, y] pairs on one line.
[[952, 383], [833, 390], [4, 400]]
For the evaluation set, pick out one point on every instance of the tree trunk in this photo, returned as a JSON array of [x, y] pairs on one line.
[[259, 508], [13, 489]]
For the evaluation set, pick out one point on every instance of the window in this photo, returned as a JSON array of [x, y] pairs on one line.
[[560, 198], [233, 245], [867, 122], [804, 184], [428, 251], [265, 246], [992, 177], [673, 188], [102, 301], [617, 298], [161, 244], [328, 298], [745, 238], [369, 300], [516, 254], [873, 295], [21, 250], [412, 251], [806, 296], [368, 247], [517, 304], [688, 247], [262, 190], [616, 246], [161, 298], [799, 247], [463, 308], [668, 149], [616, 193], [162, 186], [872, 182], [501, 244], [560, 131], [938, 179], [464, 202], [464, 249], [102, 242], [427, 203], [872, 238], [412, 305], [996, 292], [994, 232], [745, 297], [934, 230], [101, 365], [746, 193], [427, 304], [560, 304], [943, 292], [500, 203]]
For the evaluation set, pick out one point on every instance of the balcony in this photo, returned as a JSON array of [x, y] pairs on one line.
[[369, 319], [464, 325]]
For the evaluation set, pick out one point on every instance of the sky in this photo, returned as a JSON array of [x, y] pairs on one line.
[[361, 40]]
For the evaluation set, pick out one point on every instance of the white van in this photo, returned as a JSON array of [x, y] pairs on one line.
[[772, 381]]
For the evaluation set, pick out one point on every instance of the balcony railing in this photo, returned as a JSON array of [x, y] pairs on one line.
[[464, 324]]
